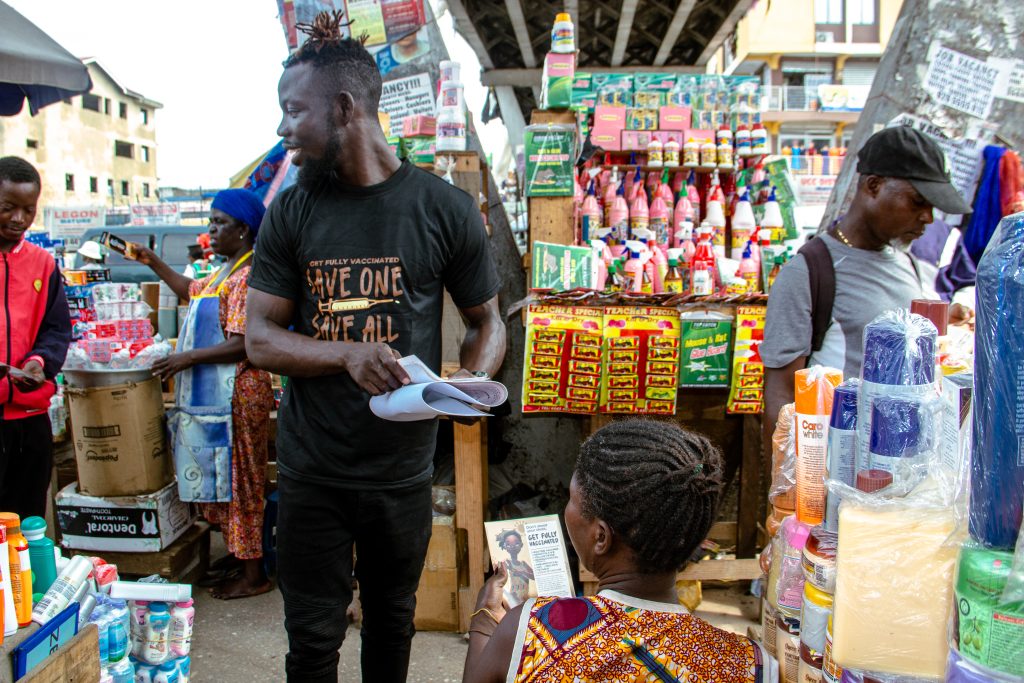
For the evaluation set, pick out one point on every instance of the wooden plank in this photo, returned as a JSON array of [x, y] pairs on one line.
[[539, 117], [471, 503], [750, 489], [708, 570], [78, 661], [551, 220], [172, 562], [453, 331]]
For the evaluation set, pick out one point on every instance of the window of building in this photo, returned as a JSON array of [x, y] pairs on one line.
[[145, 189], [110, 186], [91, 102], [145, 154], [69, 182], [32, 144], [124, 149], [122, 110], [863, 20], [828, 12], [106, 106], [94, 184], [124, 188], [145, 117]]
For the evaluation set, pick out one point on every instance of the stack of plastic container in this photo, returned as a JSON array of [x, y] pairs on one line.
[[451, 110]]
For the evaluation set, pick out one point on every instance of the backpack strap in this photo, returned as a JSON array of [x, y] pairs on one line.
[[821, 274]]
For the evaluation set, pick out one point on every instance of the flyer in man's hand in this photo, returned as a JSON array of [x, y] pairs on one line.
[[428, 396], [533, 551]]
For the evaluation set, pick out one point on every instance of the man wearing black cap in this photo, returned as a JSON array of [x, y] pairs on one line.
[[902, 177]]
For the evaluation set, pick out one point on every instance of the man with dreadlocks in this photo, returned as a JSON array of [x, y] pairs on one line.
[[355, 259], [642, 498]]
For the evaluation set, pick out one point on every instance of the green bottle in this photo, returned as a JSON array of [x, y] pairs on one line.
[[40, 551]]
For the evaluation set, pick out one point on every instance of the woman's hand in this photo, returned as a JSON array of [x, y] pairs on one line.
[[141, 254], [492, 596], [166, 368]]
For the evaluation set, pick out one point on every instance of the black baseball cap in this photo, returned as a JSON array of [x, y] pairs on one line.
[[903, 152]]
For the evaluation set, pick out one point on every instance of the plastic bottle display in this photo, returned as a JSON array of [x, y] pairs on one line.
[[708, 154], [759, 140], [659, 220], [670, 153], [743, 141], [674, 277], [69, 582], [40, 550], [592, 215], [716, 220], [122, 672], [20, 563], [137, 612], [182, 618], [563, 34], [157, 633], [749, 271], [451, 130], [639, 213], [772, 222], [608, 195], [166, 673], [702, 269], [619, 216]]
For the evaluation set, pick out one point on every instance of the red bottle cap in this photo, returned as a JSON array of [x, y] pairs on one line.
[[870, 481]]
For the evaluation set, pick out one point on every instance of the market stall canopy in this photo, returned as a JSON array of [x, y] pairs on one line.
[[510, 38], [34, 67]]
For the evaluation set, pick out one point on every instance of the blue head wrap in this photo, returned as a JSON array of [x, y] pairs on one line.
[[242, 205]]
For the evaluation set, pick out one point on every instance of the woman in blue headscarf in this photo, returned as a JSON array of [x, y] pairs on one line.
[[219, 425]]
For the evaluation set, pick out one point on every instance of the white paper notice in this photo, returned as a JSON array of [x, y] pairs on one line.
[[1012, 85], [961, 82], [550, 561], [404, 97]]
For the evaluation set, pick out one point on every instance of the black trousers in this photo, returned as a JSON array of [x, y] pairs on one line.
[[26, 461], [317, 526]]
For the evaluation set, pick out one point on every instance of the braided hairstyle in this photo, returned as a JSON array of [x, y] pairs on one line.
[[503, 537], [344, 62], [17, 170], [656, 485]]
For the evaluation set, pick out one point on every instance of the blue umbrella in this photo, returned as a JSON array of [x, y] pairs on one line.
[[34, 67]]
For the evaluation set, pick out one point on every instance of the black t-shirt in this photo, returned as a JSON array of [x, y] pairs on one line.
[[387, 251]]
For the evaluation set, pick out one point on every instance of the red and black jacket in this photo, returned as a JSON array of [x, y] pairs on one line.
[[36, 324]]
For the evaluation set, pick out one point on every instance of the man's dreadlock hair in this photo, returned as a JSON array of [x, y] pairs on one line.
[[656, 485], [17, 170], [344, 62]]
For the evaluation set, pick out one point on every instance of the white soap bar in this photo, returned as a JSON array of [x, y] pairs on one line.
[[894, 589]]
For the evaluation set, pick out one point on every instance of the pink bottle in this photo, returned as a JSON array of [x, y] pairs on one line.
[[694, 196], [608, 194], [749, 271], [653, 178], [618, 221], [678, 180], [591, 216], [639, 213], [682, 214], [635, 271], [660, 220]]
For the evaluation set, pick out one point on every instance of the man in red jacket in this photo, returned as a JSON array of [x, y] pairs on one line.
[[35, 332]]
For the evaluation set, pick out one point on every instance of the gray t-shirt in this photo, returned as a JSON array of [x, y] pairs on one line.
[[868, 283]]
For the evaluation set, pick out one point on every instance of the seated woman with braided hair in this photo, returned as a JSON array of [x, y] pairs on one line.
[[642, 498]]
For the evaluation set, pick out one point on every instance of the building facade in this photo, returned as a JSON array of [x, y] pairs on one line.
[[816, 59], [97, 149]]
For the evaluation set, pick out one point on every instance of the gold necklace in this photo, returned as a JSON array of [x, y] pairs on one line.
[[843, 237]]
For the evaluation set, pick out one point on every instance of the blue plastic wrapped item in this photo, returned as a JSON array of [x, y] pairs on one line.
[[899, 361], [842, 446], [997, 464], [901, 437], [960, 670]]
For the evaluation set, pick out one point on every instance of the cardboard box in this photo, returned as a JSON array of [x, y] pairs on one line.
[[419, 126], [120, 438], [674, 118], [700, 135], [437, 599], [135, 524], [556, 88], [609, 117], [606, 138], [957, 420], [561, 267]]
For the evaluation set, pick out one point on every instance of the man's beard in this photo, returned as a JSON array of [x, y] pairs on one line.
[[315, 173]]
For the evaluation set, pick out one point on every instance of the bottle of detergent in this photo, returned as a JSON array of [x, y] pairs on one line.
[[749, 271], [603, 254], [683, 214], [678, 181], [618, 218], [703, 267], [660, 220], [656, 263], [591, 215], [743, 225], [674, 276], [691, 154], [743, 141], [694, 196], [608, 195], [655, 153], [772, 224], [639, 213], [716, 221], [563, 34], [670, 152], [637, 278]]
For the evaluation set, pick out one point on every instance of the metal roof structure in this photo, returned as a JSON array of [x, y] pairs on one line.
[[510, 37]]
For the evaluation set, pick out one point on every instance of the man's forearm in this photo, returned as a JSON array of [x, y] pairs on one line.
[[283, 352], [231, 350], [483, 348]]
